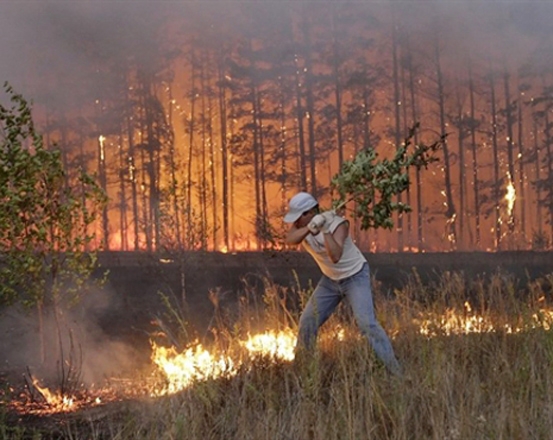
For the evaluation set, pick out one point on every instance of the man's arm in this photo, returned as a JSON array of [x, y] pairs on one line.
[[334, 242], [296, 235]]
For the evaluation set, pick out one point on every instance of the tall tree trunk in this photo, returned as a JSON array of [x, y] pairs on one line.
[[310, 104], [131, 164], [406, 127], [301, 136], [173, 193], [509, 121], [102, 177], [144, 167], [450, 211], [257, 150], [366, 117], [337, 87], [203, 170], [232, 177], [224, 152], [282, 147], [496, 159], [212, 173], [549, 157], [152, 145], [123, 225], [521, 172], [462, 176], [83, 169], [474, 156], [396, 105], [190, 157], [537, 177], [415, 119]]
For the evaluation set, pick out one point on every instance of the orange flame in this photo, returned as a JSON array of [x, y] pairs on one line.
[[454, 323], [55, 400], [183, 369], [195, 364]]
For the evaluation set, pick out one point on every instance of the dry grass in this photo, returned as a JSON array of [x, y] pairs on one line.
[[482, 385]]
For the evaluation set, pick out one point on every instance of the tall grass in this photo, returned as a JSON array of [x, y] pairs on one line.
[[493, 384]]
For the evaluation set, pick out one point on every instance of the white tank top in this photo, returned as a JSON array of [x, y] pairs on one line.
[[350, 263]]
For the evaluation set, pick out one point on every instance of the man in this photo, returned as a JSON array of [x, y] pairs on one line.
[[345, 275]]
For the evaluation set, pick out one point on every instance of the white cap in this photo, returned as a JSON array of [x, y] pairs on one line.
[[300, 203]]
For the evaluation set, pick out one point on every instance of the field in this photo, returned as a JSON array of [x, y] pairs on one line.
[[477, 356]]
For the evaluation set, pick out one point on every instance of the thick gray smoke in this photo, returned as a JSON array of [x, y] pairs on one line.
[[73, 42]]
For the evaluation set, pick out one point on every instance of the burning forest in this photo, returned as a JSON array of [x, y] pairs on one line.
[[170, 129], [201, 121]]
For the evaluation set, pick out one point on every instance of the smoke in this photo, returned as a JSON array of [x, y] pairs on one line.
[[57, 53], [47, 42], [77, 344]]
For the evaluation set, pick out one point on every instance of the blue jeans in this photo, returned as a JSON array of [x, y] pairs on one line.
[[357, 290]]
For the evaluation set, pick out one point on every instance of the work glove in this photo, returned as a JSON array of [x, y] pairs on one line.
[[316, 224], [328, 219]]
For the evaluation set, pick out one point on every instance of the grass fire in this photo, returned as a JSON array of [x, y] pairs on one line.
[[477, 365]]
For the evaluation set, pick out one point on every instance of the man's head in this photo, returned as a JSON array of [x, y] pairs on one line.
[[301, 209]]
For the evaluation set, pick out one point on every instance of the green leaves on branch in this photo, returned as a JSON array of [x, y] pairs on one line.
[[374, 184], [44, 221]]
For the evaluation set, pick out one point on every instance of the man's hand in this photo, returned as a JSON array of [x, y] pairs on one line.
[[328, 217], [316, 224]]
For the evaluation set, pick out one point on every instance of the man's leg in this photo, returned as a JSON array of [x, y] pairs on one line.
[[318, 309], [359, 293]]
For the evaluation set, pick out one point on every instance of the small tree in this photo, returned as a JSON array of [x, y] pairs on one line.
[[374, 183], [44, 221]]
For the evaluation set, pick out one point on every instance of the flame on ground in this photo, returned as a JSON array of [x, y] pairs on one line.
[[278, 345], [453, 322], [183, 369], [54, 400], [196, 363]]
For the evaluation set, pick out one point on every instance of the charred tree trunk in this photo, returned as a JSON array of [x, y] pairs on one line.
[[132, 171], [173, 184], [474, 158], [521, 170], [124, 227], [190, 156], [337, 89], [548, 138], [509, 121], [450, 211], [202, 194], [396, 105], [263, 221], [461, 132], [282, 148], [415, 118], [310, 105], [366, 117], [495, 149], [537, 175], [212, 173], [102, 177], [224, 153], [301, 135], [257, 150]]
